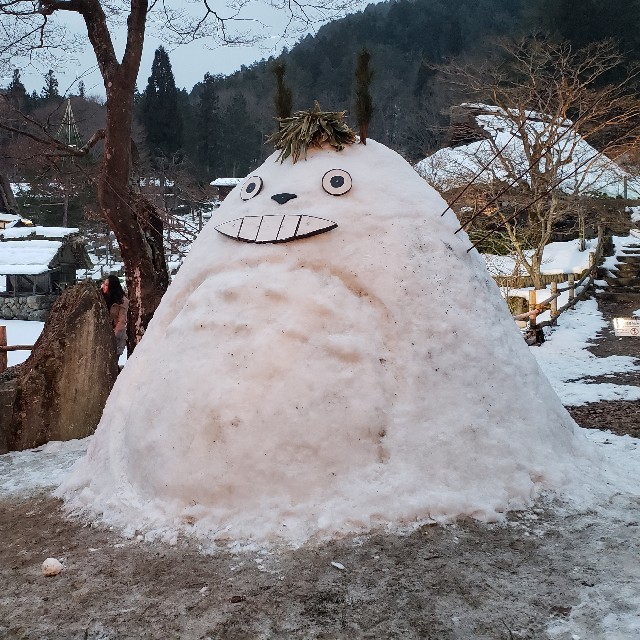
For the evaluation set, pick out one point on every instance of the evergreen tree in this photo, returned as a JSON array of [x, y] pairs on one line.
[[17, 92], [283, 99], [15, 86], [81, 89], [364, 103], [208, 126], [50, 89], [160, 114], [241, 139]]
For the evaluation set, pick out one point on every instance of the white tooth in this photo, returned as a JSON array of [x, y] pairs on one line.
[[310, 225], [230, 228], [288, 228], [249, 229], [269, 228]]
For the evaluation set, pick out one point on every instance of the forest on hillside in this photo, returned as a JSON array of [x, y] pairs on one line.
[[407, 39], [218, 128]]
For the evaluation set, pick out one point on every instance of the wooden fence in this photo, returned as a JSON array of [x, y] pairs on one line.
[[585, 281], [4, 348], [535, 307]]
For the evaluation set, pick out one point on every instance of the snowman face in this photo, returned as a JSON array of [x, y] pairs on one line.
[[283, 227]]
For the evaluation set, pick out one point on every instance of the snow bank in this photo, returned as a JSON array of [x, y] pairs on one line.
[[368, 376]]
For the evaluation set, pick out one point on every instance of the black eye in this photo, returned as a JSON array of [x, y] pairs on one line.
[[251, 187], [336, 182]]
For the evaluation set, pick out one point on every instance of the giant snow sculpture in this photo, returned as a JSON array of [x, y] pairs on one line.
[[363, 372]]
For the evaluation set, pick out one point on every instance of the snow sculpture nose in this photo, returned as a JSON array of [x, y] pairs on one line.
[[281, 198]]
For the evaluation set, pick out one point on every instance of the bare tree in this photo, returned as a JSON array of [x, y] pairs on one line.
[[31, 27], [547, 101]]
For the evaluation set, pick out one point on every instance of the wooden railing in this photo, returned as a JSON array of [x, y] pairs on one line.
[[535, 307], [4, 348]]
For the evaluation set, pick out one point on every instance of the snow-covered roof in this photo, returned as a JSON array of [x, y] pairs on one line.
[[43, 232], [226, 182], [27, 258], [558, 257], [584, 169], [155, 182]]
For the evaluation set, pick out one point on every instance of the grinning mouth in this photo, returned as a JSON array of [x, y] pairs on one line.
[[274, 228]]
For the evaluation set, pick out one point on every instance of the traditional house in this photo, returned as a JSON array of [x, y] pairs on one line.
[[223, 186], [11, 220], [36, 264]]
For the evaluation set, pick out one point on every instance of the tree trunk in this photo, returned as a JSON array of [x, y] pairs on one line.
[[536, 275], [132, 219]]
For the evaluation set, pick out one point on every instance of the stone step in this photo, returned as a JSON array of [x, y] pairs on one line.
[[627, 264], [620, 296], [626, 274], [622, 282]]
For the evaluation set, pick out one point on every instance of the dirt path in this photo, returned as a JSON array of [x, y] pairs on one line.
[[620, 416], [545, 573], [458, 582]]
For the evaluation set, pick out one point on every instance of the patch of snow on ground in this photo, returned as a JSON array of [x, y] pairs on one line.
[[566, 362], [23, 473]]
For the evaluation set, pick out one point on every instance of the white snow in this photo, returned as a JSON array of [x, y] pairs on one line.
[[608, 609], [566, 362], [558, 257], [226, 182], [44, 232], [21, 332], [51, 567], [367, 376], [24, 473], [583, 169], [8, 220], [27, 257]]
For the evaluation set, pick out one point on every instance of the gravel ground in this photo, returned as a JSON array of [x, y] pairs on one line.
[[544, 573]]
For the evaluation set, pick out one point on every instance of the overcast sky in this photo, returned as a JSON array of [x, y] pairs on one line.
[[189, 62]]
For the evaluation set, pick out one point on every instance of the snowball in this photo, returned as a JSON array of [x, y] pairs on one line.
[[51, 567]]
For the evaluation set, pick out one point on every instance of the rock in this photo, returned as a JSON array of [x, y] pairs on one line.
[[51, 567], [33, 302], [59, 392]]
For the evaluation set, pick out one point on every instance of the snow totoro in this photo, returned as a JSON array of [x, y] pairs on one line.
[[329, 358]]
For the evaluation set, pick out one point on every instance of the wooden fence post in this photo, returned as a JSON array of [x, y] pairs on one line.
[[3, 343], [554, 303], [532, 306], [572, 287], [592, 259]]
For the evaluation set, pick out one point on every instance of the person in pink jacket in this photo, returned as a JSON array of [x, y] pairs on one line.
[[118, 306]]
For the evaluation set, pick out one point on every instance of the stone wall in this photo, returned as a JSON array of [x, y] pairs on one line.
[[26, 307]]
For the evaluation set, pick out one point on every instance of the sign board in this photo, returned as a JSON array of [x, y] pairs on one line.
[[626, 326]]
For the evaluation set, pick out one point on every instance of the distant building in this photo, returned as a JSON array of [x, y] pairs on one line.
[[223, 186], [160, 193], [36, 264], [11, 220]]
